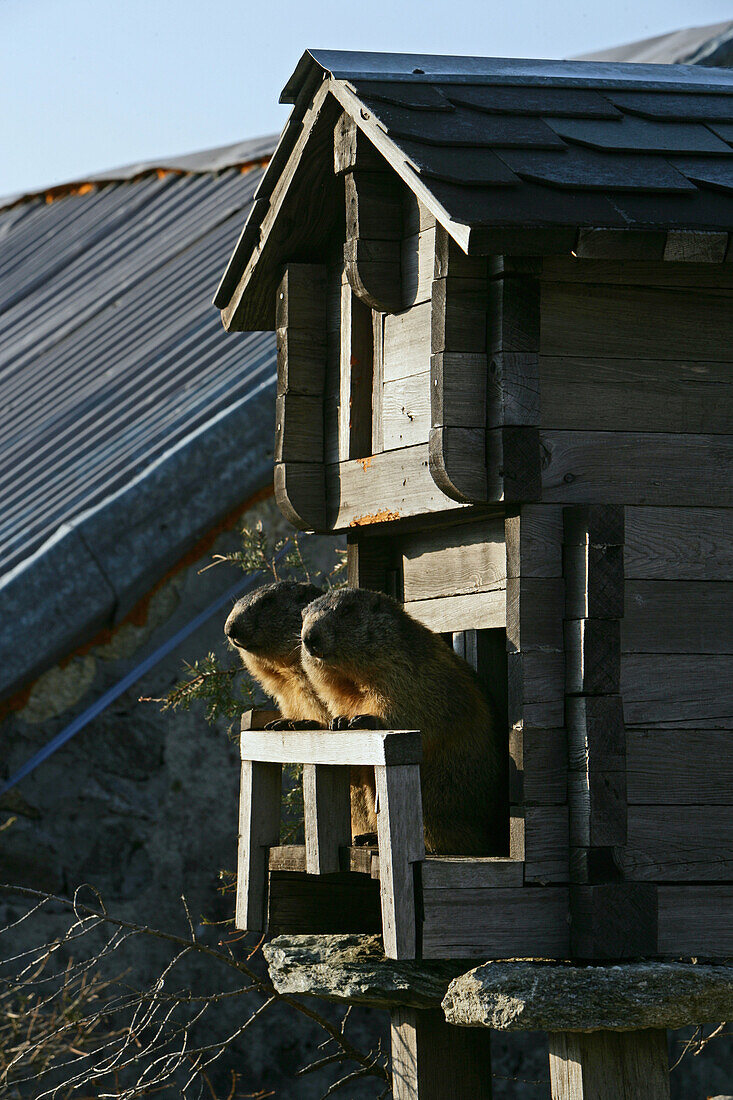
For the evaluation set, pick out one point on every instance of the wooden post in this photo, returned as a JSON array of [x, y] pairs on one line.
[[433, 1060], [401, 843], [327, 816], [609, 1065], [259, 829]]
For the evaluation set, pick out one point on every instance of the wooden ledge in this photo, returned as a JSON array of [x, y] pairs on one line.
[[360, 747]]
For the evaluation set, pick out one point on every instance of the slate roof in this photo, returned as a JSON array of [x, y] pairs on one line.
[[501, 142], [129, 422]]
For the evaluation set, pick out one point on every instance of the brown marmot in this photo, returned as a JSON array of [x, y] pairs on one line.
[[265, 626], [365, 655]]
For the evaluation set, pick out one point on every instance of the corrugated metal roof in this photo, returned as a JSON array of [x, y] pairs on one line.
[[110, 352], [710, 45]]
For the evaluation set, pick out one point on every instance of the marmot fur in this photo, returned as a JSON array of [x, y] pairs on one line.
[[264, 626], [364, 655]]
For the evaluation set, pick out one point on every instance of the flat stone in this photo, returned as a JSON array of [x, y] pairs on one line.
[[537, 997], [354, 968]]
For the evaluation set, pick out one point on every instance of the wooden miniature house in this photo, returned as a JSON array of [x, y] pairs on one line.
[[503, 297]]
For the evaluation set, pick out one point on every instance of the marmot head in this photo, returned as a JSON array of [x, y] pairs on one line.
[[353, 628], [267, 622]]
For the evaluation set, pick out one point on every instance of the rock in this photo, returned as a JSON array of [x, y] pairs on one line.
[[354, 968], [537, 997]]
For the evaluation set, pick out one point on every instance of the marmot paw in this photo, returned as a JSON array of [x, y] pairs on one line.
[[358, 722], [293, 724]]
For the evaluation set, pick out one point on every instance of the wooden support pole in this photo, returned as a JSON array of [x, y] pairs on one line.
[[609, 1065], [327, 816], [433, 1060], [401, 843], [259, 829]]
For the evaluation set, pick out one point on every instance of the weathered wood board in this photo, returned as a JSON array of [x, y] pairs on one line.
[[679, 544], [383, 488], [678, 617], [496, 923], [593, 394], [680, 767], [675, 690], [693, 844], [630, 322], [456, 560]]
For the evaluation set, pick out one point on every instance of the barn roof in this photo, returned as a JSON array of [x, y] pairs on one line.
[[494, 146], [130, 425]]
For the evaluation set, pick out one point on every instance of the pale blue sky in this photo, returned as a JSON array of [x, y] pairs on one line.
[[87, 85]]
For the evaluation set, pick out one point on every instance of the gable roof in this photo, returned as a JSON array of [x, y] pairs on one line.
[[130, 423], [492, 145]]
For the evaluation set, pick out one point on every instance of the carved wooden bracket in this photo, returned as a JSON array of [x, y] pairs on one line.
[[373, 193]]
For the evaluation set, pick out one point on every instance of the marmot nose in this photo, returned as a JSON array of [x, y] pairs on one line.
[[313, 641], [235, 630]]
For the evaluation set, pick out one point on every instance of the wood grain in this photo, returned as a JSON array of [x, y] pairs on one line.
[[432, 1060], [538, 766], [332, 747], [693, 844], [668, 395], [406, 342], [464, 558], [685, 924], [677, 768], [679, 544], [640, 468], [401, 844], [628, 322], [609, 1065], [613, 920], [259, 828], [676, 690], [383, 488], [473, 611], [301, 904], [406, 411], [517, 922], [534, 541], [678, 617], [327, 807]]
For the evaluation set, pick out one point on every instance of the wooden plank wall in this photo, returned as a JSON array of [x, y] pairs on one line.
[[636, 385], [677, 684], [662, 333]]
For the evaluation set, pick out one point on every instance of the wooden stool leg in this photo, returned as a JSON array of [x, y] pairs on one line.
[[327, 816], [401, 843], [433, 1060], [259, 829], [609, 1065]]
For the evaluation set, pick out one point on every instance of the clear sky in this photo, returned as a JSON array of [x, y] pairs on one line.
[[87, 85]]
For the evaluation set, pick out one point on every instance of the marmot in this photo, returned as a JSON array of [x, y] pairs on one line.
[[265, 627], [365, 655]]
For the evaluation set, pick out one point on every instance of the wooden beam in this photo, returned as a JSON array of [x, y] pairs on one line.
[[495, 923], [432, 1060], [327, 806], [609, 1065], [373, 747], [301, 904], [615, 920], [401, 845], [259, 829]]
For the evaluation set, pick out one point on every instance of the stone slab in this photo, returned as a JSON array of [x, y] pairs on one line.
[[354, 969], [537, 997]]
